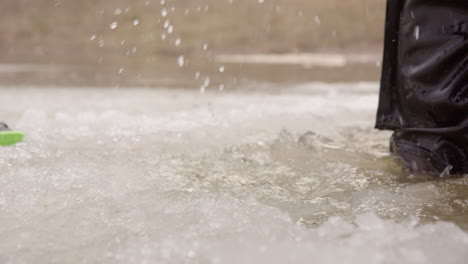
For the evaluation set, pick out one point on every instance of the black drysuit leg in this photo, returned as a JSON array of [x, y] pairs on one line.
[[424, 86]]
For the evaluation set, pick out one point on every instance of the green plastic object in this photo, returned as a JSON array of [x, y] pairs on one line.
[[8, 138]]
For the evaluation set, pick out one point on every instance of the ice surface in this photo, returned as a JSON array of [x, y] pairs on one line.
[[160, 176]]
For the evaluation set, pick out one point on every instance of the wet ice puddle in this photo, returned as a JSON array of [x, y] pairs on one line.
[[172, 176]]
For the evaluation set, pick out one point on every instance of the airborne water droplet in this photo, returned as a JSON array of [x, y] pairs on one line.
[[206, 83], [170, 29], [136, 22], [114, 25], [164, 12], [181, 61], [416, 32], [317, 20]]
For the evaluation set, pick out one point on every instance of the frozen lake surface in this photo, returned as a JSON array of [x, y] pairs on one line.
[[297, 175]]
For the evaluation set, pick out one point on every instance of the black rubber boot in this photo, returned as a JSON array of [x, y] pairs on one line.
[[424, 87]]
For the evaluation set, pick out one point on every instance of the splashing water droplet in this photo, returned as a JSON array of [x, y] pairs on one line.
[[221, 69], [206, 82], [181, 61], [205, 85], [136, 22], [416, 32], [93, 37], [205, 46], [317, 20], [170, 29], [197, 75], [114, 25], [164, 12], [118, 11], [178, 41]]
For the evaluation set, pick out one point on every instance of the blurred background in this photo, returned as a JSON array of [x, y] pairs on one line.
[[189, 43]]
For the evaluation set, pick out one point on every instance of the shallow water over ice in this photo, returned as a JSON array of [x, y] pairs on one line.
[[154, 176]]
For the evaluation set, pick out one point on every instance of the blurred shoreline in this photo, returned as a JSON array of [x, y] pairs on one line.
[[129, 43], [232, 70]]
